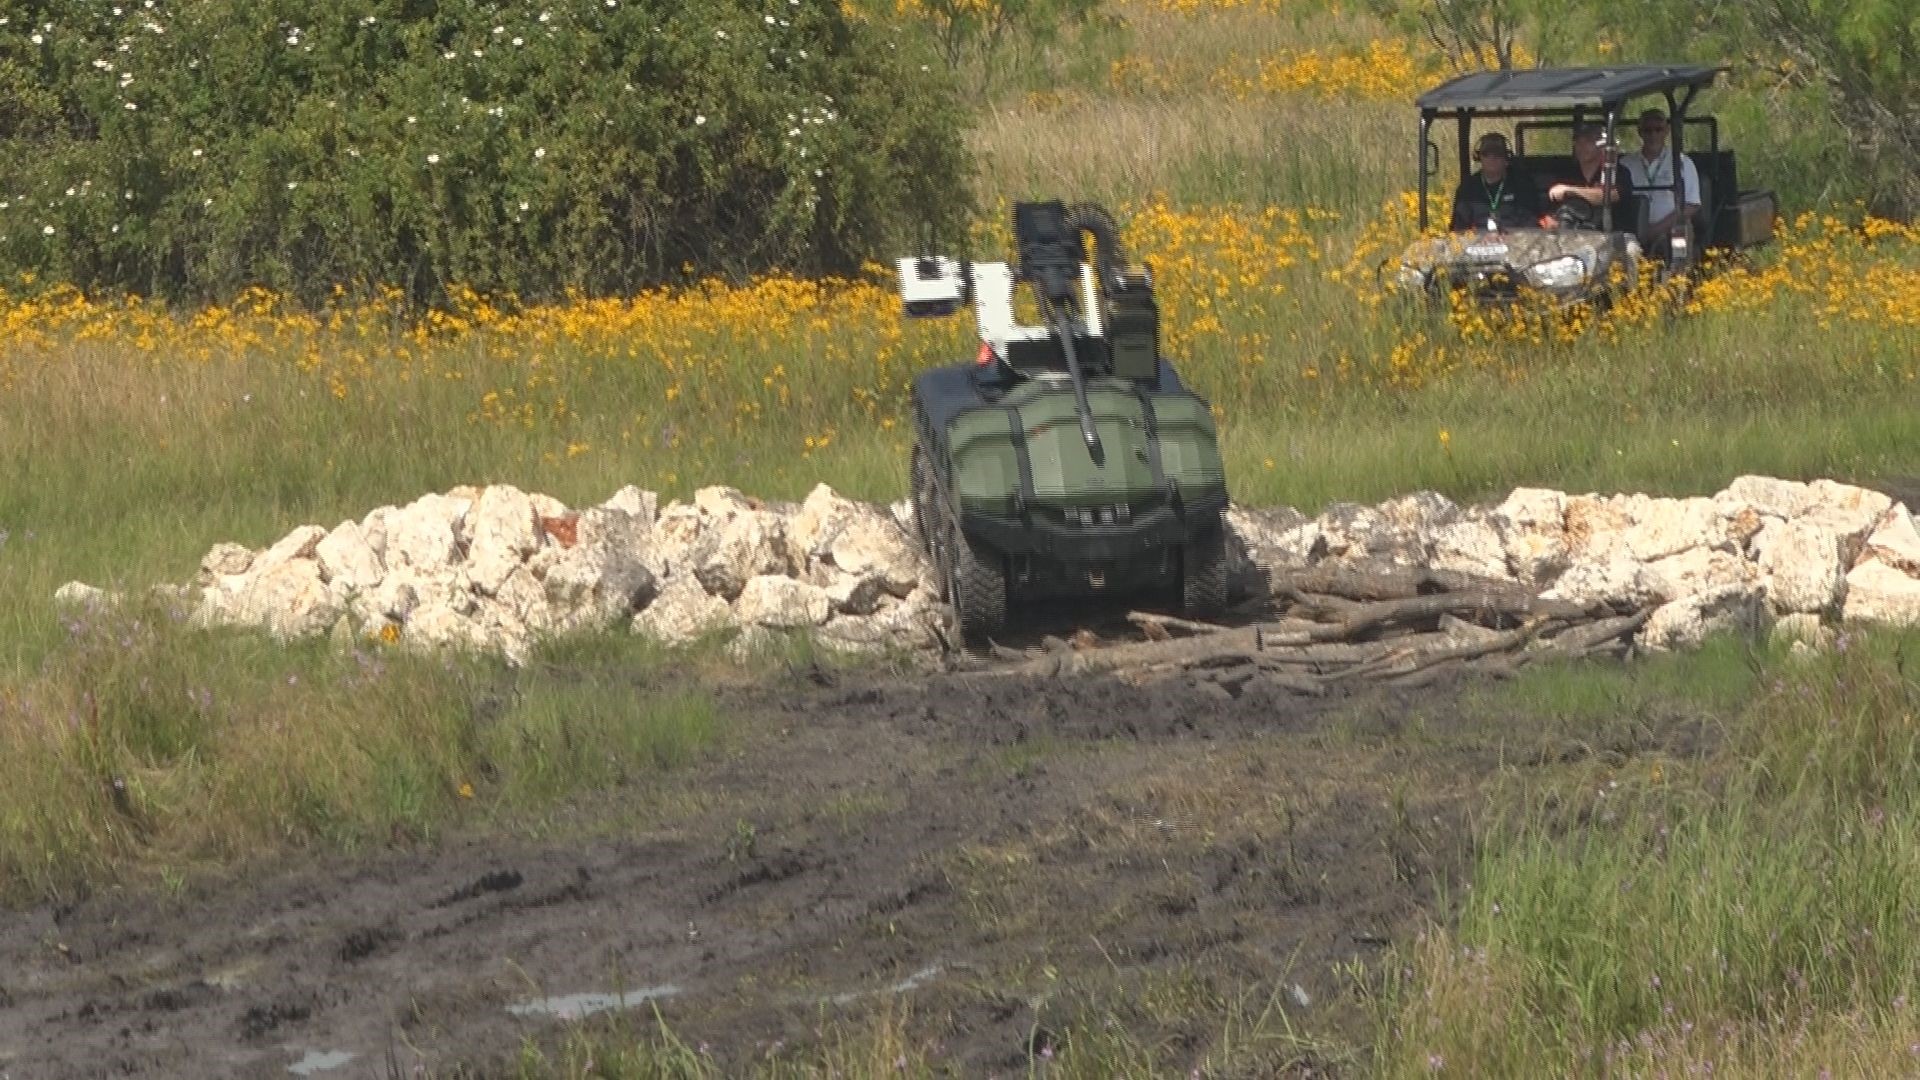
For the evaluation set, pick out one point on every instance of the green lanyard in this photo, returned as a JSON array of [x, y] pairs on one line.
[[1493, 197]]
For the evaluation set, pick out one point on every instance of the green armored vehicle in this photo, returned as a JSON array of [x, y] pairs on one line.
[[1066, 459]]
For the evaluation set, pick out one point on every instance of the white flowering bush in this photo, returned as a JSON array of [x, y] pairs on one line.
[[187, 148]]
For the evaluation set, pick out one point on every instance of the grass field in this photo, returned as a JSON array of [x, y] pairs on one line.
[[1751, 907]]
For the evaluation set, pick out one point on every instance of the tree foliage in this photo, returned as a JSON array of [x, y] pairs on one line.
[[192, 147], [1866, 55]]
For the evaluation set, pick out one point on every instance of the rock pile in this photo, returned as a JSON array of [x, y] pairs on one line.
[[495, 569], [1764, 554]]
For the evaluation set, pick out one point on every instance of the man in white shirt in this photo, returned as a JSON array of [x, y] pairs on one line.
[[1652, 172]]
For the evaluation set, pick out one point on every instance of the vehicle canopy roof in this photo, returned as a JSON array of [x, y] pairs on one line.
[[1551, 90]]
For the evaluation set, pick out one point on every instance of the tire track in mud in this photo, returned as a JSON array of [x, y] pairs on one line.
[[844, 853]]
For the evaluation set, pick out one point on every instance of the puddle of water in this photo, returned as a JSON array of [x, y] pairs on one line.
[[319, 1061], [576, 1006], [905, 986]]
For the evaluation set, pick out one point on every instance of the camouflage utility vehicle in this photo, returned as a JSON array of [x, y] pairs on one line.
[[1577, 248], [1066, 459]]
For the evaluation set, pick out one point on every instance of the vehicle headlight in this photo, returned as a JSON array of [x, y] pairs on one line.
[[1558, 273], [1410, 277]]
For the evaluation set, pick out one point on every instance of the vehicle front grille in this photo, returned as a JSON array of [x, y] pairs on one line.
[[1095, 516]]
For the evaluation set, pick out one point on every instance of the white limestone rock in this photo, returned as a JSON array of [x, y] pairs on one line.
[[821, 516], [869, 544], [914, 623], [1688, 621], [504, 532], [1700, 570], [288, 601], [857, 594], [782, 603], [1781, 499], [1803, 562], [425, 534], [1257, 528], [391, 601], [347, 560], [1852, 512], [1353, 533], [225, 560], [603, 577], [1643, 528], [1471, 545], [1532, 523], [722, 502], [1257, 543], [373, 529], [79, 594], [1673, 526], [523, 595], [1879, 593], [1302, 545], [1419, 512], [736, 548], [547, 506], [500, 632], [675, 532], [642, 505], [1895, 542], [683, 612], [438, 626], [1622, 584], [298, 544]]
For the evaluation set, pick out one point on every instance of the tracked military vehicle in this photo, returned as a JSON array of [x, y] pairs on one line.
[[1065, 459]]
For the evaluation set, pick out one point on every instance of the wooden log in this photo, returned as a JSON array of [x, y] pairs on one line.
[[1598, 632], [1329, 653], [1147, 619], [1424, 609], [1316, 607], [1373, 580], [1417, 660]]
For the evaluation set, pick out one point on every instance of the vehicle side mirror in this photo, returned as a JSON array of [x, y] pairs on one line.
[[1431, 159]]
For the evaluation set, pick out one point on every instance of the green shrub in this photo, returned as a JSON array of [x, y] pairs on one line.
[[189, 148]]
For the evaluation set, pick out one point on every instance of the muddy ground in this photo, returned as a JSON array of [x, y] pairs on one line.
[[992, 854]]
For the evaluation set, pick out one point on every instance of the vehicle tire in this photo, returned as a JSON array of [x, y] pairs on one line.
[[921, 494], [1203, 575], [976, 587]]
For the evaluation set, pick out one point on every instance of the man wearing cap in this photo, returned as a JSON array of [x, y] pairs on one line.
[[1652, 172], [1494, 198], [1587, 180]]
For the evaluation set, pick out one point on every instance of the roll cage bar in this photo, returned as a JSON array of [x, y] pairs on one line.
[[1560, 98]]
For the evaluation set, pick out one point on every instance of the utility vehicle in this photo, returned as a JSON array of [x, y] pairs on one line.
[[1584, 251]]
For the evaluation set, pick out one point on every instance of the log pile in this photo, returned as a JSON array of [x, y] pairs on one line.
[[1332, 625]]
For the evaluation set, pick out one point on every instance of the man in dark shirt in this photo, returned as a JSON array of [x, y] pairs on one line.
[[1587, 179], [1494, 196]]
